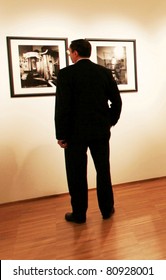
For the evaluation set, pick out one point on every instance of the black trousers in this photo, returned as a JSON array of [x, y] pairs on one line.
[[76, 170]]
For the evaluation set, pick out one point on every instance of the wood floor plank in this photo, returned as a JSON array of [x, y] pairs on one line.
[[36, 229]]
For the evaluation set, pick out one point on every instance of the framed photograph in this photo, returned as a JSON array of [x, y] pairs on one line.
[[120, 57], [34, 64]]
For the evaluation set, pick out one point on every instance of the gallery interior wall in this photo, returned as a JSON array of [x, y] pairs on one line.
[[31, 163]]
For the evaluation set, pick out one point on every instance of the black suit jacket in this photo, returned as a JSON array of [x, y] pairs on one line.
[[83, 92]]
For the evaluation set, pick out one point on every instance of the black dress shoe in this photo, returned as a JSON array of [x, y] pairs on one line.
[[107, 216], [69, 217]]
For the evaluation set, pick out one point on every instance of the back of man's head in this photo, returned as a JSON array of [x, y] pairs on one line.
[[82, 46]]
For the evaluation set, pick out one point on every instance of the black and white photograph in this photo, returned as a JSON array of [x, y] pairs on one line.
[[120, 57], [34, 64]]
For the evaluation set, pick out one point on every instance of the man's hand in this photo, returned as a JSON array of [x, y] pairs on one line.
[[62, 144]]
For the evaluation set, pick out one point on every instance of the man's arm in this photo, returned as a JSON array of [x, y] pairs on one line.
[[116, 101], [63, 107]]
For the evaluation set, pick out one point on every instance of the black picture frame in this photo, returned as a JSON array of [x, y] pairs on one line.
[[120, 56], [34, 64]]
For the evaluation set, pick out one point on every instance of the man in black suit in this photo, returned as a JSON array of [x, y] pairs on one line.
[[83, 120]]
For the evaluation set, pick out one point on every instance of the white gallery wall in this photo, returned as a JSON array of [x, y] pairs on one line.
[[31, 162]]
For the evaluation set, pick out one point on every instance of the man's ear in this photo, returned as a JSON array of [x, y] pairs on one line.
[[75, 53]]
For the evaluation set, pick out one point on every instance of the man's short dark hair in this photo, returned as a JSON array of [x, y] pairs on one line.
[[82, 46]]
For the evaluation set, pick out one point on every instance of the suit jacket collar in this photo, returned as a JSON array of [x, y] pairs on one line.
[[83, 58]]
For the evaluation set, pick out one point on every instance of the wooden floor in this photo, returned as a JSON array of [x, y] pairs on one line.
[[36, 230]]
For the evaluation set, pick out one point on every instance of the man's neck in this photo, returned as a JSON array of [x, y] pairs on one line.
[[81, 58]]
